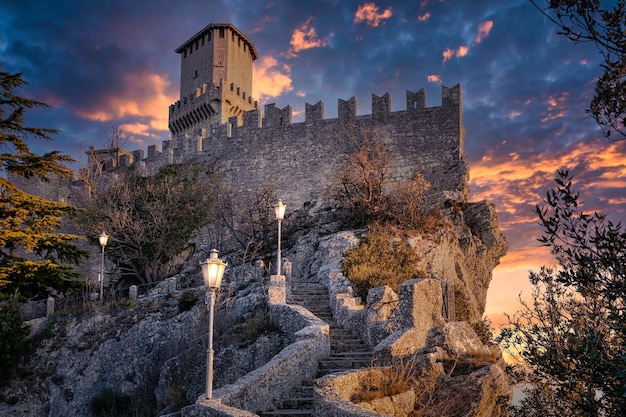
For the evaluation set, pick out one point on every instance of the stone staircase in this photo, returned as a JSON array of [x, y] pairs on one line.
[[347, 351]]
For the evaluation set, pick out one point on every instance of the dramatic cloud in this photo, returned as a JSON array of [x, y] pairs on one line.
[[305, 37], [271, 79], [371, 15], [143, 95]]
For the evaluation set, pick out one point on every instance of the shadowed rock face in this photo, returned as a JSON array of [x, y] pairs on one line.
[[153, 353], [147, 351]]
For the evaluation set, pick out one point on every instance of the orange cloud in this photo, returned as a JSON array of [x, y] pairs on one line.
[[270, 78], [144, 95], [483, 31], [424, 17], [370, 14], [556, 107], [305, 37], [516, 184], [433, 78], [460, 52]]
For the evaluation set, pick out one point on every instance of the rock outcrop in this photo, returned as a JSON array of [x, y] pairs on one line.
[[153, 355]]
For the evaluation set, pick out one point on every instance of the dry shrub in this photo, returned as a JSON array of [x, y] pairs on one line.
[[408, 207], [380, 259], [385, 382]]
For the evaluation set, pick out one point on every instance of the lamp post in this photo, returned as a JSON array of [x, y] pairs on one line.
[[104, 238], [212, 273], [280, 215]]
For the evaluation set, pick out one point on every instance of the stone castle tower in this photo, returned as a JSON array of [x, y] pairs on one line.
[[215, 80]]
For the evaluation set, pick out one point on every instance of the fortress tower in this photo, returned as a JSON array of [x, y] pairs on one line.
[[215, 80]]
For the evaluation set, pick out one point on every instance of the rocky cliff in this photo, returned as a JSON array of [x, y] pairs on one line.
[[149, 355]]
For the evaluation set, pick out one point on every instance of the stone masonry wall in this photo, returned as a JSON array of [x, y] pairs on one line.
[[299, 159]]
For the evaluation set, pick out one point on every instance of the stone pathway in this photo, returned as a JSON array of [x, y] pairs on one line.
[[346, 350]]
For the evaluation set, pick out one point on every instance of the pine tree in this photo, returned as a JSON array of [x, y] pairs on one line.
[[35, 258], [13, 339]]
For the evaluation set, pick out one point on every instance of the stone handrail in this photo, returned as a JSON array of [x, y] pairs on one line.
[[260, 388]]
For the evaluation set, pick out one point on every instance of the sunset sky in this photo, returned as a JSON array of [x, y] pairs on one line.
[[106, 63]]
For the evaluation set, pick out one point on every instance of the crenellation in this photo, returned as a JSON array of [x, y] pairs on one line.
[[277, 117], [381, 106], [347, 110], [415, 100], [153, 151], [252, 119], [451, 97], [125, 161], [313, 113], [137, 155]]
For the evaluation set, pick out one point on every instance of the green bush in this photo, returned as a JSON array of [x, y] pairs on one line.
[[187, 301], [109, 403], [13, 339], [380, 259]]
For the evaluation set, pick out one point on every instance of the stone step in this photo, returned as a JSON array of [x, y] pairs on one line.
[[286, 413], [347, 350], [344, 363], [298, 403]]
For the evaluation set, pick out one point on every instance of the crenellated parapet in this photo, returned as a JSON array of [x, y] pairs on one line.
[[197, 110], [299, 158]]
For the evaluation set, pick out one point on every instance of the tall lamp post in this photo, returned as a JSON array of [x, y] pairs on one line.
[[212, 273], [280, 215], [104, 238]]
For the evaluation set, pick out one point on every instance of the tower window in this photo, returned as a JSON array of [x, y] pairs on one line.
[[209, 36], [232, 86], [221, 32], [238, 91]]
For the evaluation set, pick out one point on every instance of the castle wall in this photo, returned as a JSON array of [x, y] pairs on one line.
[[300, 158]]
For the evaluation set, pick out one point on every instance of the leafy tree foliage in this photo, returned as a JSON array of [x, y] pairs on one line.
[[570, 338], [591, 21], [34, 257], [150, 219], [13, 338]]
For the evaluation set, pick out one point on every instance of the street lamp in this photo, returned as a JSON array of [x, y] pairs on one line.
[[280, 215], [212, 273], [104, 238]]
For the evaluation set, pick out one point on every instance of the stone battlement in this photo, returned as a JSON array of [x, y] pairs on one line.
[[300, 158]]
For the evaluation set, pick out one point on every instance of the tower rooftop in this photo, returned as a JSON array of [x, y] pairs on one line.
[[212, 26]]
